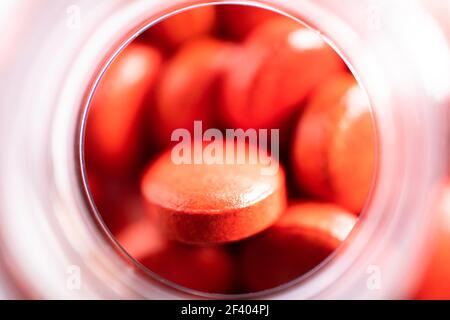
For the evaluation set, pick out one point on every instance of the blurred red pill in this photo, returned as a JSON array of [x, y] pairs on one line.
[[334, 145], [141, 238], [118, 204], [112, 128], [278, 66], [185, 26], [240, 20], [207, 269], [304, 236], [213, 203], [187, 90]]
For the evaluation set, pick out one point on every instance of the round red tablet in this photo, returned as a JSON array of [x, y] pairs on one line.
[[304, 236], [185, 26], [213, 203], [112, 128], [187, 90], [239, 21], [334, 146], [278, 66]]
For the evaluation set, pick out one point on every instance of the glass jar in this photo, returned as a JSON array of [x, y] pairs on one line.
[[53, 246]]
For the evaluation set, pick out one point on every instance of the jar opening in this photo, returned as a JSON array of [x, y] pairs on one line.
[[215, 80]]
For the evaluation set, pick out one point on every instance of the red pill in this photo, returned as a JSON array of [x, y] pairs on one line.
[[118, 204], [213, 203], [206, 269], [187, 90], [140, 236], [185, 26], [279, 65], [334, 146], [304, 236], [239, 21], [112, 129]]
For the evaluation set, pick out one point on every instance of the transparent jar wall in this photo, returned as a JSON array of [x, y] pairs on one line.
[[440, 11], [50, 245]]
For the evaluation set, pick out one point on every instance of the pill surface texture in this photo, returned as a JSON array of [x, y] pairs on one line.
[[212, 203], [334, 145], [303, 237]]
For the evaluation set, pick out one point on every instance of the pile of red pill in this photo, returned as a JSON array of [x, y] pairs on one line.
[[229, 227]]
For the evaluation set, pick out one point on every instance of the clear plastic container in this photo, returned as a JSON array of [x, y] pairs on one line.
[[51, 244]]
